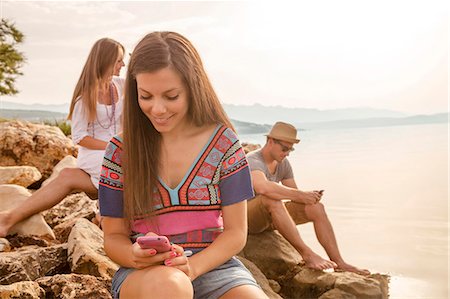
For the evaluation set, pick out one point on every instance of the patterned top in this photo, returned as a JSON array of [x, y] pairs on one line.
[[190, 214]]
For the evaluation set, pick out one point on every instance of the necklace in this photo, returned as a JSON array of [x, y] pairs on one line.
[[111, 119]]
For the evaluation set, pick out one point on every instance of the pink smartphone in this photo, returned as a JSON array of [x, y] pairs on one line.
[[159, 243]]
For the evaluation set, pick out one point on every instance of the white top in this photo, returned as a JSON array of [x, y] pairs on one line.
[[103, 128]]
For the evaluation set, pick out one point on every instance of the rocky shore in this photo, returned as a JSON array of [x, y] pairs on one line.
[[59, 253]]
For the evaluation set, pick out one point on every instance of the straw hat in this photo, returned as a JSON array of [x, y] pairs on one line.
[[283, 131]]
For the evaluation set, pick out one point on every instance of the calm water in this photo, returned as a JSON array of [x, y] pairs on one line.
[[386, 193]]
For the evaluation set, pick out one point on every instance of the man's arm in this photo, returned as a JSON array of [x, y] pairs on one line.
[[290, 183], [276, 191]]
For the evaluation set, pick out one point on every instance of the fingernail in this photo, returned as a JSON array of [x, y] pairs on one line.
[[173, 254], [152, 251], [167, 262]]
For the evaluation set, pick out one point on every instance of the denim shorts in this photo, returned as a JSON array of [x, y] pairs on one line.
[[211, 285]]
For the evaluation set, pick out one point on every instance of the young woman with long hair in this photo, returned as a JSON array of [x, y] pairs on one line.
[[177, 170], [95, 112]]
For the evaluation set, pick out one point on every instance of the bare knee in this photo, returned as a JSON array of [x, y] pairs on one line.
[[272, 205], [178, 283], [315, 211], [72, 178], [168, 283], [67, 175]]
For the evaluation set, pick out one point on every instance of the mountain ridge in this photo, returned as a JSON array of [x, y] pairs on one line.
[[253, 113]]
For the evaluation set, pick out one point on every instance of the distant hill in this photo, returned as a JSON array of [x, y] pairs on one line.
[[257, 119], [31, 115], [270, 114], [61, 108], [257, 113], [39, 116], [249, 128], [378, 122]]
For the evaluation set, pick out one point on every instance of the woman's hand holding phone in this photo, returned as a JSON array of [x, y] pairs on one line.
[[152, 250]]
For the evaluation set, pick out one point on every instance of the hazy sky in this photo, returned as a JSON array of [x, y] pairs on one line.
[[310, 54]]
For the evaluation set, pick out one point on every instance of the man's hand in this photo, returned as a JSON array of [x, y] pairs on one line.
[[311, 197]]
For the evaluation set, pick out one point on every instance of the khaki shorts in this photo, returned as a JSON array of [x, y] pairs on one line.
[[259, 218]]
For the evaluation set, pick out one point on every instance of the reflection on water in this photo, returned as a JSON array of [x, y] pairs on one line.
[[386, 192], [404, 287]]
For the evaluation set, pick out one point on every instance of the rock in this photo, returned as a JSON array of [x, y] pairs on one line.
[[383, 279], [86, 253], [75, 286], [67, 162], [337, 294], [30, 263], [62, 230], [23, 290], [19, 175], [13, 195], [304, 284], [23, 143], [279, 261], [18, 241], [260, 278], [360, 286], [74, 206], [250, 147], [5, 246], [275, 286], [282, 260]]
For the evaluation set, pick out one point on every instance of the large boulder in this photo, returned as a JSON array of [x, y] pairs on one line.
[[22, 289], [86, 253], [68, 286], [361, 287], [5, 245], [30, 263], [64, 215], [74, 206], [250, 147], [337, 294], [272, 254], [13, 195], [262, 281], [279, 261], [26, 144], [19, 175]]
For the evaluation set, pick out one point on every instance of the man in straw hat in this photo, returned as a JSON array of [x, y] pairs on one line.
[[268, 210]]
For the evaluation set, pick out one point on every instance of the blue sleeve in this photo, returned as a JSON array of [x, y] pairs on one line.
[[110, 191], [235, 183]]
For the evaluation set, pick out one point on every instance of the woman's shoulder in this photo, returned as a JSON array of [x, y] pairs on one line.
[[227, 132]]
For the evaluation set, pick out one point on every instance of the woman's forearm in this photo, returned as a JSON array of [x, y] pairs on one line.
[[92, 143], [118, 249], [227, 244]]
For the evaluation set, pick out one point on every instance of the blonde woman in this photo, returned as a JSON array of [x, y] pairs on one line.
[[178, 170], [95, 112]]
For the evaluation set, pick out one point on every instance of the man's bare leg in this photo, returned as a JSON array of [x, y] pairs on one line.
[[286, 226], [70, 179], [325, 234]]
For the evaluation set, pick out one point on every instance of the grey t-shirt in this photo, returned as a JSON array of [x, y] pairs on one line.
[[283, 170]]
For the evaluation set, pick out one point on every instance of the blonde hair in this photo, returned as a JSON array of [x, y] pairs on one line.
[[141, 141], [96, 71]]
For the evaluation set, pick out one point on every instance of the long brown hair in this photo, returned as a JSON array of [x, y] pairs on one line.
[[141, 141], [96, 71]]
